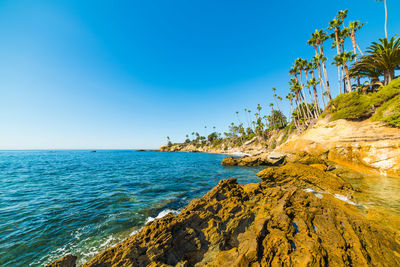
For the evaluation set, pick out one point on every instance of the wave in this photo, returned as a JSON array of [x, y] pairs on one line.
[[161, 214]]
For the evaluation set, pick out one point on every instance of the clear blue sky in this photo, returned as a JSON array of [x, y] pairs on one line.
[[126, 74]]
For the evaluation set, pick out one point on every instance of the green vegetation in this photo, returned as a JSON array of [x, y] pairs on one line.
[[358, 106]]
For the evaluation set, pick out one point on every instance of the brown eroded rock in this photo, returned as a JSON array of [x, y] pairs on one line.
[[229, 161], [272, 223], [66, 261], [305, 176], [262, 159]]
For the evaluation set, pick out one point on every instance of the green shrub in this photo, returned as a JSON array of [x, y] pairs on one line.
[[351, 106], [389, 112], [357, 106]]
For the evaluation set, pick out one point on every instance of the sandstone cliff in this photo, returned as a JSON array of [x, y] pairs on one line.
[[367, 146]]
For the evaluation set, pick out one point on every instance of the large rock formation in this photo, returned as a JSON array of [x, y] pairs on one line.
[[367, 146], [292, 218]]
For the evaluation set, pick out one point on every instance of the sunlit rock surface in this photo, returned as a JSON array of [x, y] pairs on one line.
[[299, 215]]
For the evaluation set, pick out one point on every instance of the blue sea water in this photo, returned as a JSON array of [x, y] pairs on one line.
[[79, 202]]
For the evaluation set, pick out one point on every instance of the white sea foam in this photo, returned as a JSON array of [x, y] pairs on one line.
[[161, 214], [345, 199]]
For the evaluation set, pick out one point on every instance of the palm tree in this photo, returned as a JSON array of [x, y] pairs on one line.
[[335, 25], [296, 88], [342, 59], [247, 118], [321, 37], [353, 27], [316, 61], [313, 83], [382, 57], [237, 115], [290, 97], [386, 17], [274, 95], [301, 64], [342, 14]]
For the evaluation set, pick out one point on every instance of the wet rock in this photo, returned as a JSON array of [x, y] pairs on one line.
[[66, 261], [272, 223]]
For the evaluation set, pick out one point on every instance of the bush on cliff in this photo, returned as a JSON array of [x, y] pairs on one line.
[[358, 106], [389, 112]]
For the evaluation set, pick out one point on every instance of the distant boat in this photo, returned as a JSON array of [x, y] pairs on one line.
[[93, 151]]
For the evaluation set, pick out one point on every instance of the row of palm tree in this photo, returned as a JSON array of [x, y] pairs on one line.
[[311, 76], [381, 59]]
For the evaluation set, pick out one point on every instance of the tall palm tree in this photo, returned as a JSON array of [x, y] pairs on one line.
[[342, 59], [275, 95], [316, 61], [272, 114], [321, 37], [290, 97], [301, 64], [313, 83], [353, 27], [386, 17], [335, 25], [296, 89], [342, 14], [246, 114]]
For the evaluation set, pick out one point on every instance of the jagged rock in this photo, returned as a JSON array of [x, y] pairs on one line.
[[230, 161], [304, 176], [66, 261], [249, 161], [271, 223], [306, 158], [262, 159]]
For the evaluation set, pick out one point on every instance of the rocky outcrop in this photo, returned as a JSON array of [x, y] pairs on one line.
[[366, 146], [254, 146], [262, 159], [291, 218], [66, 261]]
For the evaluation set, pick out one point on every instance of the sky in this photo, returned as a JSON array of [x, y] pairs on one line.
[[125, 74]]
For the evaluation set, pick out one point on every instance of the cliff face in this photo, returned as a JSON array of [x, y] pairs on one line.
[[367, 146], [292, 218]]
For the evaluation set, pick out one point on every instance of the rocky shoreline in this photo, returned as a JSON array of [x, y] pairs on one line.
[[296, 216]]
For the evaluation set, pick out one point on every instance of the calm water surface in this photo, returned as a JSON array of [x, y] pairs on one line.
[[81, 203]]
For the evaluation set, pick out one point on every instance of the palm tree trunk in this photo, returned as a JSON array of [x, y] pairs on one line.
[[304, 95], [345, 89], [353, 42], [386, 18], [328, 89], [340, 80], [316, 100], [300, 106], [346, 69], [338, 52]]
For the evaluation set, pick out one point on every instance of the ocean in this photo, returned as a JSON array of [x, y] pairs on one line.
[[78, 202]]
